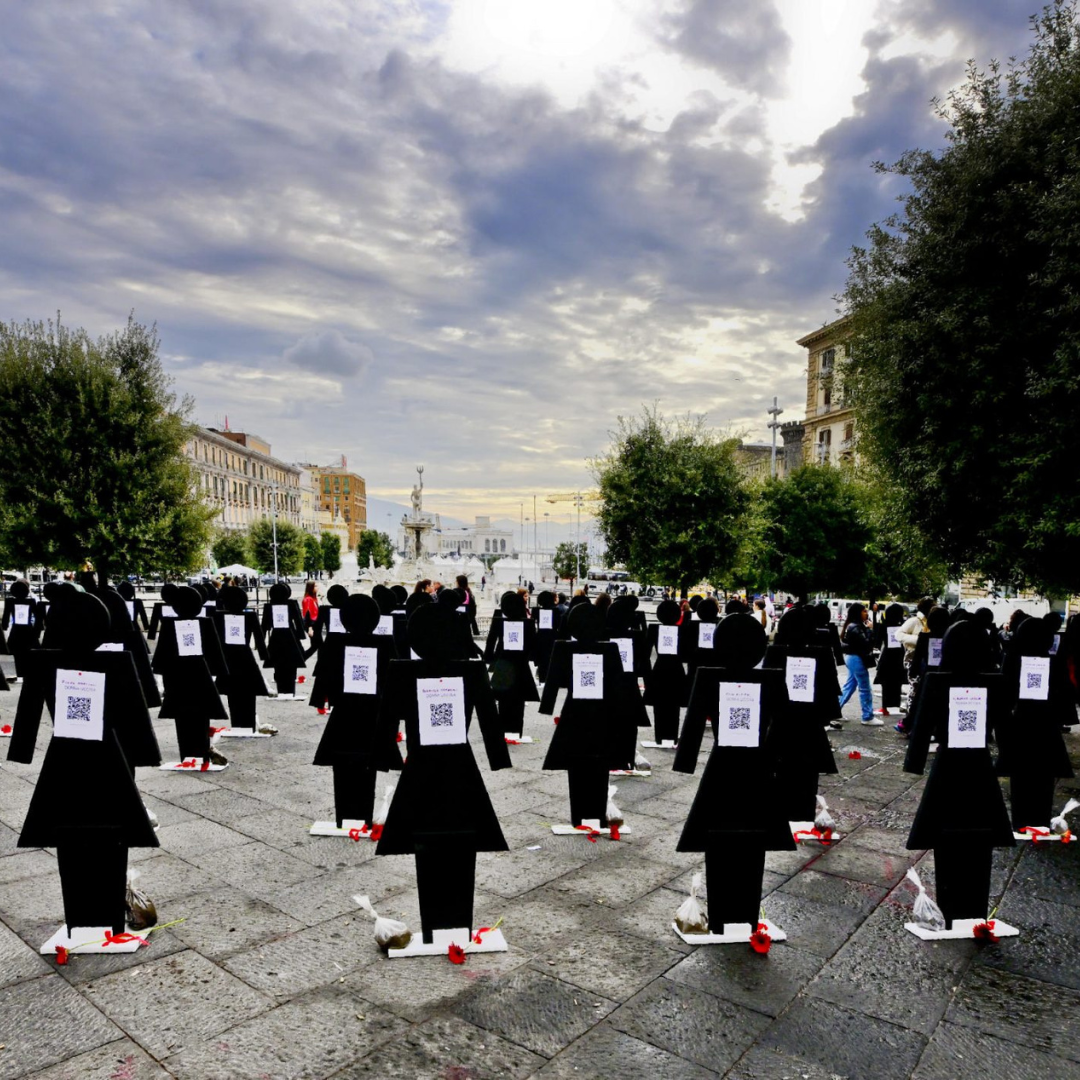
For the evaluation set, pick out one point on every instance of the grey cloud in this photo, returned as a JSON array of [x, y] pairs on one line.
[[329, 352]]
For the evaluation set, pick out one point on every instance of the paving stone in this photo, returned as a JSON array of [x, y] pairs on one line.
[[167, 879], [120, 1060], [1036, 1014], [26, 863], [513, 873], [844, 1043], [253, 862], [604, 1051], [221, 805], [1049, 872], [9, 841], [308, 1039], [225, 921], [818, 928], [18, 961], [441, 1049], [965, 1054], [166, 784], [1048, 947], [90, 966], [328, 894], [532, 922], [46, 1021], [620, 879], [534, 1010], [861, 864], [288, 831], [762, 1064], [174, 1002], [191, 839], [694, 1025], [888, 841], [27, 901]]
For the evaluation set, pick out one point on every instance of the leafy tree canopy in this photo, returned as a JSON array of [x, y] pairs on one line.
[[230, 546], [374, 545], [672, 500], [965, 322], [571, 560], [290, 546], [331, 552], [313, 554]]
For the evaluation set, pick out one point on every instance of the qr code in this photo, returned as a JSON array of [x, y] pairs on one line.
[[1034, 680], [236, 632], [359, 673], [588, 678], [514, 638], [78, 708], [739, 719], [188, 640], [967, 720], [798, 682], [442, 714]]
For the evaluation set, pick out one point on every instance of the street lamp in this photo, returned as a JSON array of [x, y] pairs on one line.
[[773, 424]]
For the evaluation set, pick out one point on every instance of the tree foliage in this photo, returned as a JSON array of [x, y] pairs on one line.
[[331, 552], [230, 547], [374, 545], [313, 554], [290, 546], [92, 441], [672, 500], [566, 560], [965, 322]]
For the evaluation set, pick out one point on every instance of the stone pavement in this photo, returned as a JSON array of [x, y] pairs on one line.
[[274, 974]]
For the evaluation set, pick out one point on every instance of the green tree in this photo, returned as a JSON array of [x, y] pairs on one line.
[[230, 546], [965, 323], [813, 533], [92, 441], [672, 500], [571, 560], [375, 545], [290, 546], [313, 555], [331, 552]]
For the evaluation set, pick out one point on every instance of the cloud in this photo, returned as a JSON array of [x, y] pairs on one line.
[[329, 352]]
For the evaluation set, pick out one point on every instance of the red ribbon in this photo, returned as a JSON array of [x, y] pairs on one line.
[[614, 832], [215, 730], [593, 834], [376, 832], [399, 737], [479, 933], [825, 836], [122, 939], [1036, 831], [190, 763], [354, 834], [512, 742]]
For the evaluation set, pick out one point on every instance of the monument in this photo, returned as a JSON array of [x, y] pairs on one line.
[[416, 526]]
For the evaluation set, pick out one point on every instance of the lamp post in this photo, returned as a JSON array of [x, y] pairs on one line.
[[273, 527], [773, 424]]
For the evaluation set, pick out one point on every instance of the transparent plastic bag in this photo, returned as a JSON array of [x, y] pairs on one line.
[[140, 912], [389, 933], [379, 820], [823, 820], [642, 763], [1058, 825], [613, 814], [925, 912], [691, 917]]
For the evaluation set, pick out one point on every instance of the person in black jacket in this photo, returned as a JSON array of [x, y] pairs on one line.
[[858, 644]]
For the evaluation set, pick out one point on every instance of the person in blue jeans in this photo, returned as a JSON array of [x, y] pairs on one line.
[[857, 641]]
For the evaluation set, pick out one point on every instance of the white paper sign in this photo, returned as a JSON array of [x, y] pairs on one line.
[[1035, 678], [799, 676], [667, 641], [110, 646], [209, 605], [705, 634], [21, 614], [626, 651], [933, 652], [361, 670], [280, 616], [1055, 645], [80, 705], [442, 711], [588, 676], [513, 636], [130, 605], [386, 625], [334, 626], [188, 637], [891, 640], [167, 612], [738, 720], [967, 717], [235, 630], [461, 609], [547, 619]]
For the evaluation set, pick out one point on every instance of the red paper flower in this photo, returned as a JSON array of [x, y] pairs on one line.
[[760, 941], [61, 954], [205, 766], [376, 832], [6, 729], [301, 678], [855, 756], [399, 736], [322, 712], [984, 931], [614, 832], [456, 954], [1067, 837], [556, 719]]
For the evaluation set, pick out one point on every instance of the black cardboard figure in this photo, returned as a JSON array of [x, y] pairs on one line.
[[696, 638], [961, 814], [623, 631], [890, 674], [830, 634], [596, 731], [85, 803], [1033, 754], [237, 627], [136, 607], [284, 630], [188, 657], [736, 815], [548, 625], [797, 743], [441, 812], [667, 686], [388, 604], [329, 632], [162, 610], [123, 633], [354, 688], [512, 680], [463, 646], [21, 623]]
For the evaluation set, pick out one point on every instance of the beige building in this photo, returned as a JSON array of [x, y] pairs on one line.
[[309, 505], [341, 494], [240, 478], [829, 427]]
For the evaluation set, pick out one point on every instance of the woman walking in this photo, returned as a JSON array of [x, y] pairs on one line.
[[857, 641]]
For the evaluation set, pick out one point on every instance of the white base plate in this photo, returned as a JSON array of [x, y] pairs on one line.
[[805, 827], [961, 928], [630, 772], [734, 934], [667, 744], [5, 734], [197, 767], [441, 940], [509, 736], [573, 830], [243, 733], [1048, 838], [329, 828], [286, 697], [85, 940]]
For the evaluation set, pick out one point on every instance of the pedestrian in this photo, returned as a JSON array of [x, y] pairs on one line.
[[856, 640]]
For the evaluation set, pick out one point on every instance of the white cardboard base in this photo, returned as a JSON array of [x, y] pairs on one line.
[[806, 826], [85, 940], [573, 830], [196, 768], [666, 744], [441, 940], [286, 697], [734, 934], [509, 736], [1042, 838], [5, 734], [961, 928], [630, 772], [329, 828], [243, 733]]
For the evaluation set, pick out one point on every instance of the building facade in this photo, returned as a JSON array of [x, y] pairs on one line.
[[479, 539], [341, 494], [240, 478], [829, 427]]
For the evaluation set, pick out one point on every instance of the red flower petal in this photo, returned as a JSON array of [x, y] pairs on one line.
[[760, 941], [6, 729], [354, 834], [61, 954], [399, 736], [456, 954], [855, 755], [301, 678], [984, 931], [614, 832], [556, 719], [376, 832]]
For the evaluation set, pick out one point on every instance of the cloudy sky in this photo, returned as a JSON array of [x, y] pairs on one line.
[[466, 233]]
